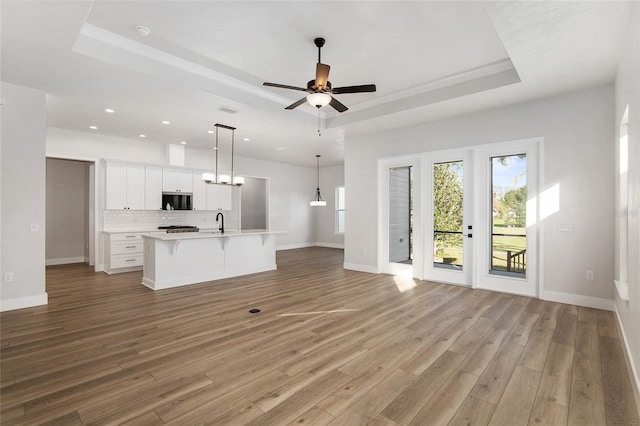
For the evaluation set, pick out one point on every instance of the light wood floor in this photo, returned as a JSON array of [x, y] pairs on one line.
[[329, 347]]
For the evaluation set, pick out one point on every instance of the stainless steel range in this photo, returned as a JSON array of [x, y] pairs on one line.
[[172, 229]]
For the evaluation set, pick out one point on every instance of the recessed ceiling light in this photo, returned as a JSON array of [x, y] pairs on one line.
[[142, 31], [210, 131], [246, 139], [281, 148], [109, 110], [215, 147], [183, 143], [166, 122], [93, 127], [142, 136]]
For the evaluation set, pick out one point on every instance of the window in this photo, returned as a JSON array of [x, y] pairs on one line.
[[508, 215], [340, 210]]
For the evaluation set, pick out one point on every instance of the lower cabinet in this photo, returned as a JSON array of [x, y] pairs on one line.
[[123, 252]]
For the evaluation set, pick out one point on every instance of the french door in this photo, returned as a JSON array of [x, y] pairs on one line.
[[473, 216], [449, 217]]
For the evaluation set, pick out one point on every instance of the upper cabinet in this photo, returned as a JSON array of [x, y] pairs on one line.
[[199, 201], [219, 197], [153, 188], [125, 186], [175, 180]]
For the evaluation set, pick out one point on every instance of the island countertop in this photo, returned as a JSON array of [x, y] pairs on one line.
[[210, 234]]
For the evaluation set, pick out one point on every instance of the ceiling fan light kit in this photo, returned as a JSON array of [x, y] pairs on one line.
[[320, 89]]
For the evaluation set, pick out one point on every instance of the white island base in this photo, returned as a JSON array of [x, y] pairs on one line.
[[173, 260]]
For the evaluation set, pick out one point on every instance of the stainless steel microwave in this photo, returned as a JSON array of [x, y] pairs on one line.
[[177, 201]]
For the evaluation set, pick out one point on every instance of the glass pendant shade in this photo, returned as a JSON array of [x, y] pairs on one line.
[[318, 201], [318, 100]]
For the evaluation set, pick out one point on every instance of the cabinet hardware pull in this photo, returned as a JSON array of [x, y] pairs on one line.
[[130, 247], [130, 260], [130, 236]]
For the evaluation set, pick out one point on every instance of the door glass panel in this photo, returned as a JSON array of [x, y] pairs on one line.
[[508, 215], [401, 215], [448, 210]]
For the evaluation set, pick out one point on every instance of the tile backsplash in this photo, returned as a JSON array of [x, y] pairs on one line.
[[144, 219]]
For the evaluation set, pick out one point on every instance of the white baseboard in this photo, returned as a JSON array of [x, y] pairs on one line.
[[99, 267], [629, 355], [65, 260], [330, 245], [294, 246], [576, 299], [23, 302], [360, 268]]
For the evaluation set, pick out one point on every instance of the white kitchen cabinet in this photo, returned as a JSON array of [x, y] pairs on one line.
[[175, 180], [199, 201], [153, 188], [123, 252], [125, 186], [219, 197]]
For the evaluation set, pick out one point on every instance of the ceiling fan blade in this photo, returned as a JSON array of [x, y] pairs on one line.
[[283, 86], [297, 103], [337, 105], [354, 89], [322, 75]]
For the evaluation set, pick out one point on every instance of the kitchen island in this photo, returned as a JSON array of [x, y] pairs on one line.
[[173, 260]]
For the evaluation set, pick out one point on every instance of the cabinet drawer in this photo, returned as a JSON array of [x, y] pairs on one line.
[[126, 237], [126, 247], [126, 260]]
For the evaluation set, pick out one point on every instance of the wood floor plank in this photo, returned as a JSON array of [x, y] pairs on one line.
[[587, 340], [497, 374], [587, 397], [371, 404], [473, 411], [403, 408], [313, 416], [442, 407], [516, 405], [547, 413], [555, 385], [330, 346], [302, 400]]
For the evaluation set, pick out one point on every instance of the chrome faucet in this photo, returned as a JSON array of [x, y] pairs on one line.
[[221, 228]]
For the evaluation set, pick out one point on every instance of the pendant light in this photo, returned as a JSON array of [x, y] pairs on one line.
[[223, 178], [318, 201]]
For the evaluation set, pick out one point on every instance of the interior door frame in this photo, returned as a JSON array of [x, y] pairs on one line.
[[414, 270]]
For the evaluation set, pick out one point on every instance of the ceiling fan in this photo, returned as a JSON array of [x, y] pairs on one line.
[[320, 89]]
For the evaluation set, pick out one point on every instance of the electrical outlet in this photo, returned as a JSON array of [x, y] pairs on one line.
[[8, 277], [589, 275]]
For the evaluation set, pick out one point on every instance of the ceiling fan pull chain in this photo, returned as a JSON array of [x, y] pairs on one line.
[[319, 134]]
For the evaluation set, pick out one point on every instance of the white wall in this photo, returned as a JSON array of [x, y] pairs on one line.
[[627, 92], [578, 132], [23, 196], [291, 187], [330, 178], [66, 212]]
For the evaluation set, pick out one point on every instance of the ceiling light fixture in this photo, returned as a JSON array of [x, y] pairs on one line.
[[223, 178], [210, 132], [143, 31], [166, 122], [318, 100], [246, 139], [93, 127], [109, 110], [318, 201], [183, 143], [142, 136]]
